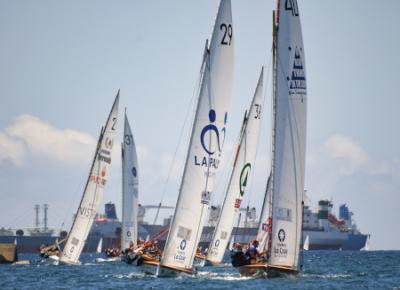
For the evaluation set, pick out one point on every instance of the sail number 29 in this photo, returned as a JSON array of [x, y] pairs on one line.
[[227, 33]]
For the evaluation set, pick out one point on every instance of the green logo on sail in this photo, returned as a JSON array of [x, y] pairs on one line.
[[244, 174]]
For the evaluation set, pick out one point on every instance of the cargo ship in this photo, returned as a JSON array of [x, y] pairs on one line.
[[324, 230], [327, 232]]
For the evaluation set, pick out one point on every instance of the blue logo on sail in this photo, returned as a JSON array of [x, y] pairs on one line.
[[297, 80], [182, 245], [210, 128], [214, 143]]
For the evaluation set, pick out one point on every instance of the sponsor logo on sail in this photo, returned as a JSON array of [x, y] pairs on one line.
[[297, 79], [213, 144], [182, 245], [87, 212], [181, 255], [109, 142], [103, 158], [205, 197], [244, 174], [281, 235], [134, 172], [103, 171], [280, 250], [98, 180], [238, 201]]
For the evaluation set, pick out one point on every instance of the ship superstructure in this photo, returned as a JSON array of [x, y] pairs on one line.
[[327, 232]]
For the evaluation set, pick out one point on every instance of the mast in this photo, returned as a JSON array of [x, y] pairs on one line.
[[265, 223], [275, 20]]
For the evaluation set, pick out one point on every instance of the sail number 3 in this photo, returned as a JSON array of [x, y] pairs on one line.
[[227, 33]]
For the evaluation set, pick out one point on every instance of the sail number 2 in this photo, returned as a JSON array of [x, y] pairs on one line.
[[227, 33]]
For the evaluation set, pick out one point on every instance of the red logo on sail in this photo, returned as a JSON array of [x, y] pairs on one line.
[[238, 201]]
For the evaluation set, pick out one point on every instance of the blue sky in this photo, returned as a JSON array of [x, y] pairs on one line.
[[61, 65]]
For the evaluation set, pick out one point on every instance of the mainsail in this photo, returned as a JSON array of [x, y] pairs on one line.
[[93, 192], [206, 144], [289, 138], [240, 176], [130, 185]]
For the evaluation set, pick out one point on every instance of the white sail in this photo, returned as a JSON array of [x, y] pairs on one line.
[[100, 246], [264, 227], [289, 142], [240, 176], [206, 144], [93, 192], [306, 245], [130, 185]]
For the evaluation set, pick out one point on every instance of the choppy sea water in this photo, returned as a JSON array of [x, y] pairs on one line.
[[321, 270]]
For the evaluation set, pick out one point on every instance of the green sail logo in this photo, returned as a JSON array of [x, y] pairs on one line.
[[244, 175]]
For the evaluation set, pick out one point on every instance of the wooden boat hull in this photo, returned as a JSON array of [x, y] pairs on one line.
[[279, 271], [167, 271], [209, 263], [149, 267], [200, 257], [265, 270], [254, 270], [8, 253]]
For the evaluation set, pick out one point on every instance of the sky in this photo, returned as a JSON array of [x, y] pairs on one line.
[[61, 64]]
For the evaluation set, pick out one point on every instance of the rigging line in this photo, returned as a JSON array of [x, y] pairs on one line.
[[77, 191], [264, 93], [71, 201], [188, 110], [19, 218]]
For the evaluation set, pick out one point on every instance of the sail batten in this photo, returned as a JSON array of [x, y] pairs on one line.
[[206, 144], [93, 191]]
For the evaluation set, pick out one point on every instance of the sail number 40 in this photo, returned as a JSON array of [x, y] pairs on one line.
[[227, 33], [292, 5]]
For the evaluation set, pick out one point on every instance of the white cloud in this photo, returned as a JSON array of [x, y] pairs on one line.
[[11, 149], [343, 170], [29, 136], [339, 146], [340, 157]]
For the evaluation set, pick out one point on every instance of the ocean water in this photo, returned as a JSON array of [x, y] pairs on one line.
[[321, 270]]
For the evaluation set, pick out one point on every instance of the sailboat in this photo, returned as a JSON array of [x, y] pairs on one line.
[[92, 193], [99, 248], [204, 152], [130, 184], [286, 186], [306, 245], [239, 179], [130, 193]]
